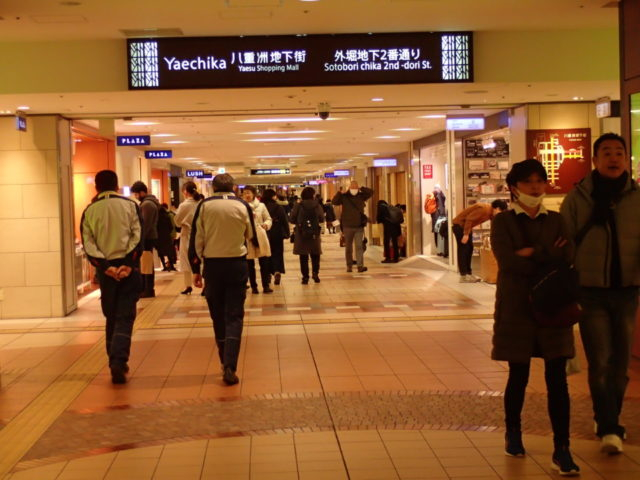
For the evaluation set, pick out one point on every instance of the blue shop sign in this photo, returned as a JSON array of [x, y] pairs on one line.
[[195, 173], [158, 154], [133, 140]]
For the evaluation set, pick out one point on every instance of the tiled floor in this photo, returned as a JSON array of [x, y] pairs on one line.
[[381, 375]]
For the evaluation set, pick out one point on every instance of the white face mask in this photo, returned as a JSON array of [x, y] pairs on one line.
[[529, 200], [353, 191]]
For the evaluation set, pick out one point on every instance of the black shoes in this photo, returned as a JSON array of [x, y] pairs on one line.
[[349, 269], [118, 374], [387, 260], [316, 278], [563, 463], [276, 278], [148, 294], [305, 280], [229, 376], [513, 444], [187, 291], [362, 269], [255, 290], [267, 290]]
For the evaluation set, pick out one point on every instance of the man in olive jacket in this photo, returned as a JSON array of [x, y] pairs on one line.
[[352, 222], [602, 216]]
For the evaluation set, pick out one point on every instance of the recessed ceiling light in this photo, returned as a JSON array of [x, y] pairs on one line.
[[285, 132], [377, 99], [280, 156], [387, 137], [141, 124], [190, 158], [292, 120], [407, 129], [164, 134], [578, 98], [433, 116], [23, 107], [292, 139], [369, 154], [174, 142]]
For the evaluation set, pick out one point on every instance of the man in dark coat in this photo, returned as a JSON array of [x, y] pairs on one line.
[[352, 222], [308, 243]]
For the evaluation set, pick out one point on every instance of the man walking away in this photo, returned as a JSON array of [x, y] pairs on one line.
[[111, 234], [601, 213], [462, 229], [221, 226], [352, 221], [150, 209]]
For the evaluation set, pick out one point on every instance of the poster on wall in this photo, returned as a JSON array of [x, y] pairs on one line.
[[564, 153]]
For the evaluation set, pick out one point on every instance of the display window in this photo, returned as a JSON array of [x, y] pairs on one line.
[[435, 188]]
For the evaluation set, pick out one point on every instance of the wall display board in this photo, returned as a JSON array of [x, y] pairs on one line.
[[292, 60], [486, 165], [565, 154]]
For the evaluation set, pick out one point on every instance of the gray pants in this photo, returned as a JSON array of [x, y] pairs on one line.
[[352, 234]]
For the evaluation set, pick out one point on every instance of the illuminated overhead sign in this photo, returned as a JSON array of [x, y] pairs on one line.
[[21, 123], [329, 175], [195, 173], [289, 60], [314, 182], [133, 140], [385, 162], [270, 171], [158, 154], [465, 122], [341, 173]]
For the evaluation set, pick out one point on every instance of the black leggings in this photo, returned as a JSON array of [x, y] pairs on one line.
[[557, 397]]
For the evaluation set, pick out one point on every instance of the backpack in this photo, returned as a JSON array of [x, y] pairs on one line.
[[430, 205], [395, 215], [165, 226], [308, 225]]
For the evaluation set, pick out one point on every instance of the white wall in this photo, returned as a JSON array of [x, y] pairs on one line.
[[30, 251]]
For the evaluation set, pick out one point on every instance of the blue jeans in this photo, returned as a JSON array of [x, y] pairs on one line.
[[225, 290], [607, 330]]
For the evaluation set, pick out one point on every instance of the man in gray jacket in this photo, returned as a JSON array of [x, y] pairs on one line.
[[352, 222], [150, 209], [602, 214]]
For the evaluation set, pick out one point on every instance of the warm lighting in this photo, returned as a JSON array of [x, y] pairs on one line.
[[164, 134], [291, 120], [175, 142], [387, 137], [280, 156], [292, 139], [377, 99], [283, 132], [369, 154], [407, 129], [23, 108], [141, 124], [433, 116]]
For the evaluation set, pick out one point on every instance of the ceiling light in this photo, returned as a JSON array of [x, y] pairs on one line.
[[433, 116], [279, 120], [284, 132], [164, 134], [174, 142], [292, 139], [23, 108], [141, 124], [578, 98], [377, 99], [369, 154], [407, 129], [387, 137], [280, 156]]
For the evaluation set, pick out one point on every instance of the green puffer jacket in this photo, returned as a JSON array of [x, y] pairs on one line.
[[593, 255]]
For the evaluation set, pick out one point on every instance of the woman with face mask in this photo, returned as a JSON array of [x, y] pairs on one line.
[[525, 241]]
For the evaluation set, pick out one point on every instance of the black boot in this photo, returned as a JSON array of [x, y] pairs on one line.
[[148, 282]]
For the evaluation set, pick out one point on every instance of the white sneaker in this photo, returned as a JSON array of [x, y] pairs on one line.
[[611, 444], [465, 279], [474, 279]]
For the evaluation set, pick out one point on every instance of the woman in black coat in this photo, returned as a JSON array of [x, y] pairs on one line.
[[277, 233], [307, 216], [390, 233], [525, 241]]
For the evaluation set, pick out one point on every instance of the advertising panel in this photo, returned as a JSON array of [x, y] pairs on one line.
[[564, 153]]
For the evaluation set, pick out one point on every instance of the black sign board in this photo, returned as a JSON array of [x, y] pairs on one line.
[[270, 171], [290, 60], [158, 154], [133, 140]]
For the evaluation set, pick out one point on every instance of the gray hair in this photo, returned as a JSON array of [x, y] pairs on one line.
[[223, 182]]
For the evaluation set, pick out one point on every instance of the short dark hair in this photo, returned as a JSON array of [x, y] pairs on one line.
[[520, 171], [223, 182], [501, 204], [268, 195], [308, 193], [106, 180], [138, 187], [608, 136], [251, 188]]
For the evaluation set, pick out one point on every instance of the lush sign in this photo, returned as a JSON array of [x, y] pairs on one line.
[[195, 173], [289, 60]]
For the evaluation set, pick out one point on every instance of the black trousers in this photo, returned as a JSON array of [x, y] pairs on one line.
[[465, 250], [225, 291], [265, 271], [304, 265], [390, 250], [277, 255], [118, 300], [558, 403]]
